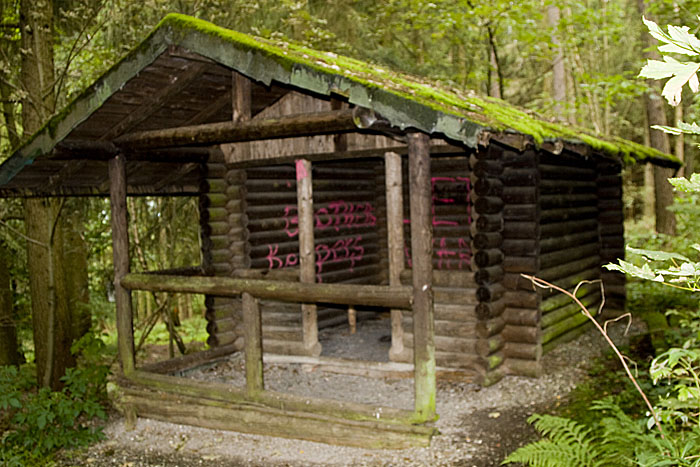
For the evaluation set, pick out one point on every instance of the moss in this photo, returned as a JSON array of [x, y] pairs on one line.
[[405, 101]]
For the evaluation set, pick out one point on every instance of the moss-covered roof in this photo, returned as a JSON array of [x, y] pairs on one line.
[[404, 100]]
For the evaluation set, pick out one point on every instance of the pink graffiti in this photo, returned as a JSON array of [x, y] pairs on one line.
[[338, 215], [301, 169], [344, 249], [447, 258]]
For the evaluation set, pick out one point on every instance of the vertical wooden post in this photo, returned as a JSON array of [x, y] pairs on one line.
[[307, 257], [395, 241], [422, 254], [252, 333], [120, 249]]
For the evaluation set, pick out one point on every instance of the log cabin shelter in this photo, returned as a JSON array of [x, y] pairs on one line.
[[329, 188]]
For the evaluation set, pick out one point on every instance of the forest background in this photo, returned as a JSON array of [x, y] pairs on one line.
[[570, 61]]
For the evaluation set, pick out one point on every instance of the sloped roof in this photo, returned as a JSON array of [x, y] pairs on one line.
[[181, 71]]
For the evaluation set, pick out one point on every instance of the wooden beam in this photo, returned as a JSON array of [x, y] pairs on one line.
[[310, 124], [395, 241], [120, 248], [175, 175], [422, 253], [252, 334], [307, 257], [155, 101], [287, 291]]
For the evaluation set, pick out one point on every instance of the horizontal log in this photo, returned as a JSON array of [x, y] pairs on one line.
[[214, 200], [488, 310], [298, 292], [221, 406], [214, 170], [486, 223], [561, 172], [488, 187], [522, 316], [491, 151], [520, 247], [557, 229], [612, 230], [554, 201], [213, 185], [548, 245], [490, 327], [488, 275], [521, 264], [610, 179], [567, 269], [466, 345], [569, 282], [558, 300], [489, 346], [563, 327], [452, 312], [554, 258], [520, 177], [568, 214], [521, 350], [591, 302], [488, 205], [564, 338], [524, 230], [521, 367], [221, 269], [490, 293], [567, 186], [610, 204], [520, 212], [516, 281], [611, 217], [309, 124], [525, 334], [485, 168], [523, 299], [520, 195], [214, 214], [486, 258], [189, 361], [609, 191], [519, 159], [487, 240]]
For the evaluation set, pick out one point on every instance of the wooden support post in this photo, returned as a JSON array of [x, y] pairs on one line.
[[422, 252], [352, 319], [120, 248], [395, 240], [307, 261], [252, 333]]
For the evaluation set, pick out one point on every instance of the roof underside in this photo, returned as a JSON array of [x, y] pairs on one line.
[[182, 75]]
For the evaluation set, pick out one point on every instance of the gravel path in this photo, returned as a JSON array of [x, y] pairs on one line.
[[478, 426]]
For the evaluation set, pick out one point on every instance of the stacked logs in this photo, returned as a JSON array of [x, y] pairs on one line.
[[611, 220], [488, 257], [521, 248], [221, 207], [569, 244]]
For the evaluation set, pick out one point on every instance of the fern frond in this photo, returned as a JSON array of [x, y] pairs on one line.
[[568, 443]]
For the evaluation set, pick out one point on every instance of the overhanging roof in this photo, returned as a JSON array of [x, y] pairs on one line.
[[181, 75]]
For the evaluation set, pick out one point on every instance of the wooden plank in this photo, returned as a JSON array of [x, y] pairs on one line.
[[307, 261], [252, 333], [290, 291], [395, 239], [120, 248], [309, 124], [422, 251]]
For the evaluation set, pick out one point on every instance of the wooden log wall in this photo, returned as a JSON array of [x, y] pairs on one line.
[[456, 342], [611, 218], [346, 235], [520, 192], [488, 258], [224, 246], [569, 242]]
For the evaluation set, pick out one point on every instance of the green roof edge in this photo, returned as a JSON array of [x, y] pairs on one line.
[[403, 100]]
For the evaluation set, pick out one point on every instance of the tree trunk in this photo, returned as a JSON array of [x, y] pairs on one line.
[[558, 72], [9, 348], [52, 267], [656, 113]]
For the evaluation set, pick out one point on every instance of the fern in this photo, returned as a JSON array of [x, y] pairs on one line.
[[566, 443]]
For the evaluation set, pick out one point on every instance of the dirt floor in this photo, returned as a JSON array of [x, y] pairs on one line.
[[478, 426]]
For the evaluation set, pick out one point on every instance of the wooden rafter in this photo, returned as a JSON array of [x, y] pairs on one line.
[[156, 101], [311, 124], [174, 176]]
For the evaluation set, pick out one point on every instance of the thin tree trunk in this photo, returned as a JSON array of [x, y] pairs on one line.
[[656, 113], [9, 346], [558, 72]]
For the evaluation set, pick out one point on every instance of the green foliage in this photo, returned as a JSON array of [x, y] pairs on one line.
[[35, 422]]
